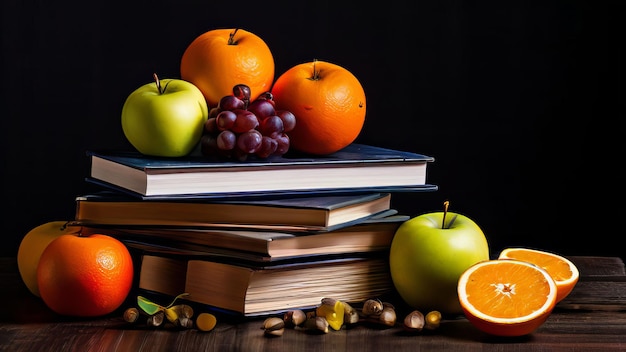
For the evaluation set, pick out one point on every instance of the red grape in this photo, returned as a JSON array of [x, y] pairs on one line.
[[242, 92], [271, 125], [289, 119], [268, 147], [262, 108], [230, 102], [214, 111], [245, 121], [283, 144], [249, 141], [210, 126], [226, 120], [226, 140]]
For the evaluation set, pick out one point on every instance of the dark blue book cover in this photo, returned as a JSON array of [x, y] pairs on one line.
[[352, 154], [356, 168]]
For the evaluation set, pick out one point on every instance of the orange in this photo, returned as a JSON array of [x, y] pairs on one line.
[[33, 244], [328, 102], [219, 59], [506, 297], [85, 276], [562, 270]]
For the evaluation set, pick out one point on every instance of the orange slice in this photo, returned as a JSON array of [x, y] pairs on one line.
[[563, 271], [506, 297]]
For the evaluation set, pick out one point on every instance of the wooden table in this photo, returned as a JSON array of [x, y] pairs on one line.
[[591, 318]]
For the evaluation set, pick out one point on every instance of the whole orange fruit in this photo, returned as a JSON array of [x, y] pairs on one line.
[[328, 102], [219, 59], [33, 244], [85, 276]]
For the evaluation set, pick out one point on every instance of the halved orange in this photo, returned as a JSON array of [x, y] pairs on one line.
[[506, 297], [562, 270]]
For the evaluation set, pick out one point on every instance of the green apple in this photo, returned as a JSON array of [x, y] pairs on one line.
[[165, 117], [427, 258]]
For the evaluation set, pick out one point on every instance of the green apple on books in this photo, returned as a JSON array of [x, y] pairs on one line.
[[165, 118]]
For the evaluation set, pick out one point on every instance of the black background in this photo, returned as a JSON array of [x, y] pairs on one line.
[[517, 101]]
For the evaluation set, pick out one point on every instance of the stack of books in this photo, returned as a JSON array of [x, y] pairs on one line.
[[256, 237]]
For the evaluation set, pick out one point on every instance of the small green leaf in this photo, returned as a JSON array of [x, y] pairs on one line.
[[148, 306]]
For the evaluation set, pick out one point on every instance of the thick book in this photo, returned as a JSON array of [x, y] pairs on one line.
[[356, 168], [306, 213], [249, 290], [372, 235]]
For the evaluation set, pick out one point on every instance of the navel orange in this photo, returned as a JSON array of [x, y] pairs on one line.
[[85, 276], [219, 59], [328, 102], [506, 297], [562, 270]]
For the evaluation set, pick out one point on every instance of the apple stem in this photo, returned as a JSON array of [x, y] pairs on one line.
[[446, 204], [158, 82]]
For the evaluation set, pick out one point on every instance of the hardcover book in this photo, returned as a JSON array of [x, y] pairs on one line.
[[294, 213], [261, 290], [356, 168], [374, 234]]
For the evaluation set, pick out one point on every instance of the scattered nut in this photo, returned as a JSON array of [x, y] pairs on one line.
[[433, 319], [274, 326], [156, 319], [184, 322], [350, 314], [317, 324], [372, 307], [414, 321], [388, 316], [131, 315], [294, 317], [329, 301], [183, 310], [378, 312]]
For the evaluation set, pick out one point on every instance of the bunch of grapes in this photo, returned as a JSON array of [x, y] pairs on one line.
[[238, 127]]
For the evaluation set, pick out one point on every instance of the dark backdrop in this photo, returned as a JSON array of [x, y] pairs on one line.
[[516, 100]]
